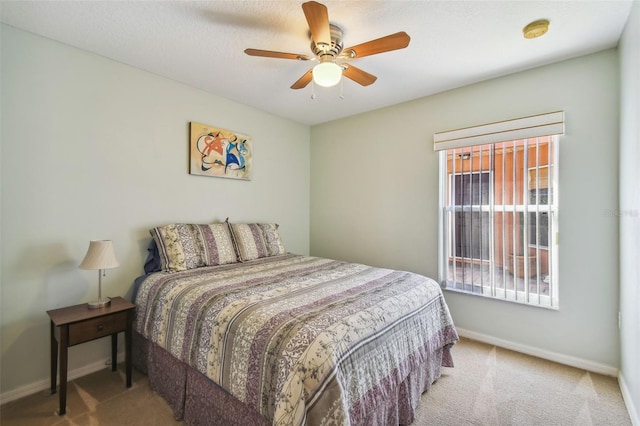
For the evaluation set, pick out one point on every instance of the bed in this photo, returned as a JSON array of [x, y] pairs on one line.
[[232, 329]]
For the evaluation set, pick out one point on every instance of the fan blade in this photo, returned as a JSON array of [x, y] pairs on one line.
[[384, 44], [272, 54], [304, 80], [359, 76], [318, 20]]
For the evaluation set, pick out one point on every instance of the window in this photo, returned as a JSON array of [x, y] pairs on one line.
[[471, 227], [539, 193], [499, 218]]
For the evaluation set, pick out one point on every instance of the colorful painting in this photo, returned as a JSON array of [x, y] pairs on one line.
[[219, 152]]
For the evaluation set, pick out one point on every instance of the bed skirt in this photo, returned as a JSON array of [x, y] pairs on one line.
[[197, 400]]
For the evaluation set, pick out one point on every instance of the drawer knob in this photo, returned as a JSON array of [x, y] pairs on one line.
[[100, 327]]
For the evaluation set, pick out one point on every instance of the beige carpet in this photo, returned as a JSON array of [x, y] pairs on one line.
[[488, 386]]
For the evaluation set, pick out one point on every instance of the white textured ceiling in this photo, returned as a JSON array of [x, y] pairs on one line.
[[201, 44]]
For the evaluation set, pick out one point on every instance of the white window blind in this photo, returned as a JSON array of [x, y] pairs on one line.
[[499, 205]]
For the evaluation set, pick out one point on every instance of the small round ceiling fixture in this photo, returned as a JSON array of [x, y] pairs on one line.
[[536, 28]]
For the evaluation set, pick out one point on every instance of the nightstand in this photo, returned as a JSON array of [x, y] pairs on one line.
[[78, 324]]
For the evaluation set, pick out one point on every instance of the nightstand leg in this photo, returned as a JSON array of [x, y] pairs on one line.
[[114, 351], [54, 360], [127, 347], [64, 348]]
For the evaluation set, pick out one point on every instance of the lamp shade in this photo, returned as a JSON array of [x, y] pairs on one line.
[[327, 74], [100, 255]]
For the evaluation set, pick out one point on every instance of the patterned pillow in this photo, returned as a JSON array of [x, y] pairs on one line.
[[272, 239], [188, 246], [256, 240]]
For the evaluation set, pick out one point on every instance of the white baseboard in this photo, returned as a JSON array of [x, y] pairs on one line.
[[529, 350], [572, 361], [634, 414], [41, 385]]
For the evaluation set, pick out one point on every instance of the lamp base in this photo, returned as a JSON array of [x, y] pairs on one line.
[[102, 303]]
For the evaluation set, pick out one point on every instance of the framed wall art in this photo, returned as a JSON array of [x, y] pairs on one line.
[[219, 152]]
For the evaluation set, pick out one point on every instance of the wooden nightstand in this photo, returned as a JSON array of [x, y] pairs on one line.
[[78, 324]]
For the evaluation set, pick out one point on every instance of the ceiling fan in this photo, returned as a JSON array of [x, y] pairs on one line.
[[327, 48]]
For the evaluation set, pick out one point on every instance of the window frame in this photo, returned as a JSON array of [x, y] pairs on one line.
[[445, 244]]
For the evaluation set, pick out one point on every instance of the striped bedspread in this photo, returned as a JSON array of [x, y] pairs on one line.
[[303, 340]]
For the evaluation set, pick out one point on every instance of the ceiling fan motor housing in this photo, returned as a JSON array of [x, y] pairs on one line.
[[332, 51]]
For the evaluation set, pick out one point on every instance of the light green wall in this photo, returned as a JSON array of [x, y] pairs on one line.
[[94, 149], [374, 198], [630, 213]]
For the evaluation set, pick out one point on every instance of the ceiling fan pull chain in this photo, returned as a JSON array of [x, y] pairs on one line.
[[342, 88], [313, 90]]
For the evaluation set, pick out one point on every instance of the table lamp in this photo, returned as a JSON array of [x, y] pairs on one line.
[[100, 256]]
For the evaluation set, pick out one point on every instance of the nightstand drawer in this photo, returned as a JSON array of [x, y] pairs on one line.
[[98, 327]]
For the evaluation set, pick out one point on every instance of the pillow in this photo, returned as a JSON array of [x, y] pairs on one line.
[[272, 239], [153, 262], [217, 244], [256, 240], [187, 246]]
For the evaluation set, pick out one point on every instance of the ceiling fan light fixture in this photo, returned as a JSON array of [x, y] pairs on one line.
[[327, 74]]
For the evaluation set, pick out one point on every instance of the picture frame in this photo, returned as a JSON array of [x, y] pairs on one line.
[[219, 152]]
